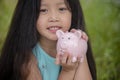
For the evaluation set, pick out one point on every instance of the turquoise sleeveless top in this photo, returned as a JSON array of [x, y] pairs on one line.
[[48, 69]]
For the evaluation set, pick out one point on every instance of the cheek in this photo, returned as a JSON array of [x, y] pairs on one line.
[[67, 21], [39, 26], [40, 22]]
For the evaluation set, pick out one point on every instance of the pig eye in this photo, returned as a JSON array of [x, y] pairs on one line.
[[69, 38], [62, 37]]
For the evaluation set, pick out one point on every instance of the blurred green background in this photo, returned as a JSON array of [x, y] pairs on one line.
[[103, 25]]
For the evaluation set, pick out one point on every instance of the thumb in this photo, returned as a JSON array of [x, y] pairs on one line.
[[84, 36], [73, 30]]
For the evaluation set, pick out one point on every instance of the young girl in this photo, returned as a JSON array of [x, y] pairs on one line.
[[29, 51]]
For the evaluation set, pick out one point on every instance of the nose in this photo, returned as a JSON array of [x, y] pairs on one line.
[[53, 17]]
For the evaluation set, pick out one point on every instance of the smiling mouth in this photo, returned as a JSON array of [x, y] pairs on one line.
[[53, 29]]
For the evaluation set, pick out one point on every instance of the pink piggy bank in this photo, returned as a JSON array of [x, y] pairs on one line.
[[73, 43]]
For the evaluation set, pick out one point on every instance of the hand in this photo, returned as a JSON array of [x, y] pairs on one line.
[[84, 35], [66, 62]]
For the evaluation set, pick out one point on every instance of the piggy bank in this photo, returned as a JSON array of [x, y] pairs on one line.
[[73, 43]]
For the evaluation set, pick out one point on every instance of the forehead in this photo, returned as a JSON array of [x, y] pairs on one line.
[[48, 2]]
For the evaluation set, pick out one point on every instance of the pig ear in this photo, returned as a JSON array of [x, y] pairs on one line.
[[59, 33], [78, 33]]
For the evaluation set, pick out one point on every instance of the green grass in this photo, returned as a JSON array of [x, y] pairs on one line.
[[6, 12], [102, 22]]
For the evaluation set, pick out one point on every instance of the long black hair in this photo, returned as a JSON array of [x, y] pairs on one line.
[[79, 23], [23, 36], [20, 40]]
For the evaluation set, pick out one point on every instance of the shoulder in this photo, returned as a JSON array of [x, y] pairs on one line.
[[31, 70], [34, 72], [33, 60]]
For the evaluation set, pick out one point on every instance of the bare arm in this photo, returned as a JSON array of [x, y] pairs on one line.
[[83, 72], [66, 75]]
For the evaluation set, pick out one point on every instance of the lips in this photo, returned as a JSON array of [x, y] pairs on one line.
[[53, 29]]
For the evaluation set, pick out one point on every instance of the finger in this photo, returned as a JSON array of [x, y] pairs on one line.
[[57, 61], [64, 58], [78, 59], [84, 36], [73, 30], [69, 61], [82, 59], [74, 59], [76, 63]]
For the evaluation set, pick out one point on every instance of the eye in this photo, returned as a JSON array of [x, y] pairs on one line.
[[43, 10], [63, 9]]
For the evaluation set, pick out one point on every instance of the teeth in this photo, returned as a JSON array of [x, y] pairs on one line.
[[53, 28]]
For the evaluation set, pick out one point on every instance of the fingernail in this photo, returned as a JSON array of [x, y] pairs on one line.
[[74, 59]]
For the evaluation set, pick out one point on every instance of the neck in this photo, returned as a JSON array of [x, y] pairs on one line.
[[49, 47]]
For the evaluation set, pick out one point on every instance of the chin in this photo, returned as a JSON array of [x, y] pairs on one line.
[[54, 39]]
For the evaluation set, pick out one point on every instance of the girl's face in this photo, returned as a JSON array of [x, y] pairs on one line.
[[54, 15]]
